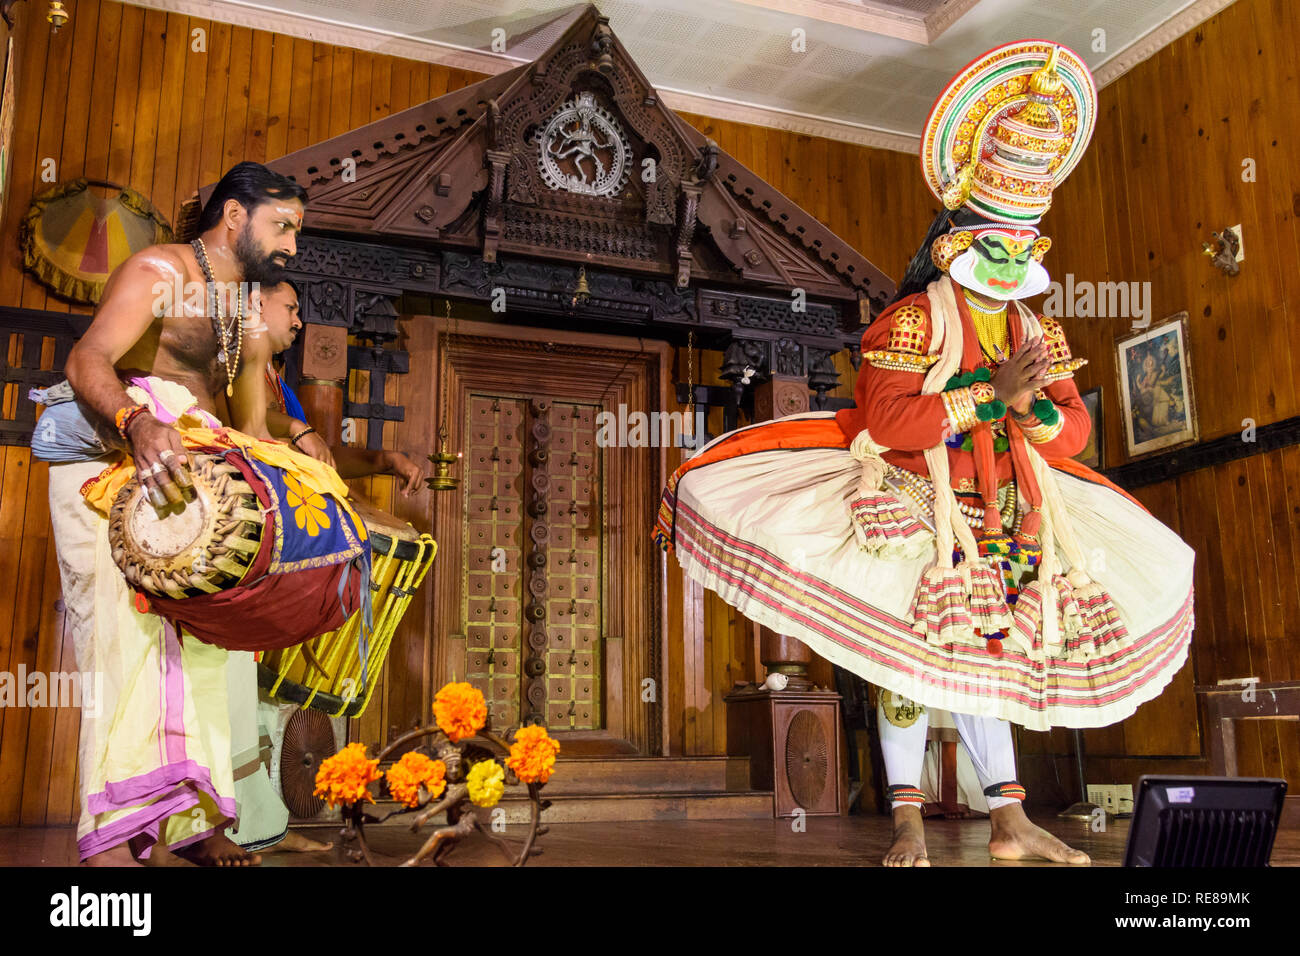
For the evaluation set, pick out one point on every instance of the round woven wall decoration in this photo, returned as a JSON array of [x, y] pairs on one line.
[[73, 237]]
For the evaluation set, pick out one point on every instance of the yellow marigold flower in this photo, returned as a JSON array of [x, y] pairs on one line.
[[343, 777], [308, 506], [532, 755], [405, 776], [487, 783], [460, 711]]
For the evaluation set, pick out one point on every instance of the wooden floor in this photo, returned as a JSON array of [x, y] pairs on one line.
[[828, 841]]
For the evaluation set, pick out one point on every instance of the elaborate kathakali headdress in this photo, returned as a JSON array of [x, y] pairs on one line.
[[1001, 137]]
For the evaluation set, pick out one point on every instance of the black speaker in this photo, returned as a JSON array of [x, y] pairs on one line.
[[1204, 821]]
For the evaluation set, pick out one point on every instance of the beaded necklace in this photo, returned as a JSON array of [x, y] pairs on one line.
[[223, 333], [921, 491], [991, 329], [276, 386]]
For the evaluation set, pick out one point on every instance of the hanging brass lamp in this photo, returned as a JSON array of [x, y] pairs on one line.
[[442, 459], [443, 479]]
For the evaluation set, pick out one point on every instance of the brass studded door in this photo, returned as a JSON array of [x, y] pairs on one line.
[[534, 569]]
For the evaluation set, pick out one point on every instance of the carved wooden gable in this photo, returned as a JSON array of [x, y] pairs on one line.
[[574, 158]]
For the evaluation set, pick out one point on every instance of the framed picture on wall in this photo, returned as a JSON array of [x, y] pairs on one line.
[[1092, 452], [1155, 388]]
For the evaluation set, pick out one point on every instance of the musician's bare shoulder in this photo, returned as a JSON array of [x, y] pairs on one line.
[[180, 344]]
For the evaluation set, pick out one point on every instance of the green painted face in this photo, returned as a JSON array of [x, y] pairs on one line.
[[1002, 259]]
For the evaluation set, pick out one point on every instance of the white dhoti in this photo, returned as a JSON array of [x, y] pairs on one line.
[[263, 817], [155, 744]]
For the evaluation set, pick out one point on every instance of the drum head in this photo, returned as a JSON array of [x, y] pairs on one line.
[[203, 548], [164, 539], [387, 531]]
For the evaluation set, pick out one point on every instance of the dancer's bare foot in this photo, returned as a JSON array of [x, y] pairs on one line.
[[1015, 838], [908, 848], [119, 855], [295, 842], [219, 850]]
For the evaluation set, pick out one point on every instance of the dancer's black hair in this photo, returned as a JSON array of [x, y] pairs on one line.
[[921, 271]]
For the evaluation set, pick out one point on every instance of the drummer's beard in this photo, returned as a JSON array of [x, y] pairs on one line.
[[257, 266]]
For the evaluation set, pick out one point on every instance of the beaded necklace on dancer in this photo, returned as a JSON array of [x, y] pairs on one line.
[[990, 329]]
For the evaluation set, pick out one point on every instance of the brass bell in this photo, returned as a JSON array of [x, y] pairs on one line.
[[582, 293]]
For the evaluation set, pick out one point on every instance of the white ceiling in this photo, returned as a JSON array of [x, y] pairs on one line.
[[734, 58]]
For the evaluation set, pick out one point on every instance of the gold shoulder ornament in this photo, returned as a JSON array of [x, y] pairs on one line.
[[909, 328]]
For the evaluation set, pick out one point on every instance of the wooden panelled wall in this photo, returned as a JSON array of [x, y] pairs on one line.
[[1164, 171], [119, 94]]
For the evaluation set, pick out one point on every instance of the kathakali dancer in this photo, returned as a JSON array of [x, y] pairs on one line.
[[936, 539]]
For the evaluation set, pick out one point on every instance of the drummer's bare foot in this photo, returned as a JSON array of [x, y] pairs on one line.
[[1015, 838], [219, 850], [159, 855], [908, 848], [119, 855], [295, 842]]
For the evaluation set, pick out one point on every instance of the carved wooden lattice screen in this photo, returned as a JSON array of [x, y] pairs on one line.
[[534, 533], [35, 349]]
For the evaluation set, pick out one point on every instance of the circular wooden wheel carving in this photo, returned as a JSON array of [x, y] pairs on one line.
[[308, 739], [806, 759]]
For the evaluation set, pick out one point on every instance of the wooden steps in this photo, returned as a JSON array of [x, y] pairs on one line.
[[596, 775], [612, 789]]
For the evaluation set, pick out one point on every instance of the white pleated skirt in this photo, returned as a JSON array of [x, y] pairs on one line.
[[770, 532]]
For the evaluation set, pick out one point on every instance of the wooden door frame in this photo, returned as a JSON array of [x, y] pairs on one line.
[[633, 371]]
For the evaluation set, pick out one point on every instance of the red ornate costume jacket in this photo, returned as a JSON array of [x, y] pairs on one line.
[[895, 413]]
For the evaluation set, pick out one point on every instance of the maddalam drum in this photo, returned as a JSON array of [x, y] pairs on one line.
[[552, 471]]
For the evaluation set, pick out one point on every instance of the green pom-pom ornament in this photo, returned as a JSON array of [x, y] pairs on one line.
[[1001, 444], [984, 412], [1045, 411], [999, 408], [983, 374], [967, 378]]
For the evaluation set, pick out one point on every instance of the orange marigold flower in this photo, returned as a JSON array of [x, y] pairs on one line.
[[532, 755], [406, 776], [343, 777], [460, 711]]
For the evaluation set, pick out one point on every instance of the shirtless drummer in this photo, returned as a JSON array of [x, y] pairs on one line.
[[155, 761]]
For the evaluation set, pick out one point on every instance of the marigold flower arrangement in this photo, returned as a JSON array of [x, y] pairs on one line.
[[405, 777], [343, 777], [460, 711], [532, 755], [487, 783], [460, 773]]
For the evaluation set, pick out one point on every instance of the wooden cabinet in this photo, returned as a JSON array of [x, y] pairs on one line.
[[795, 744]]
